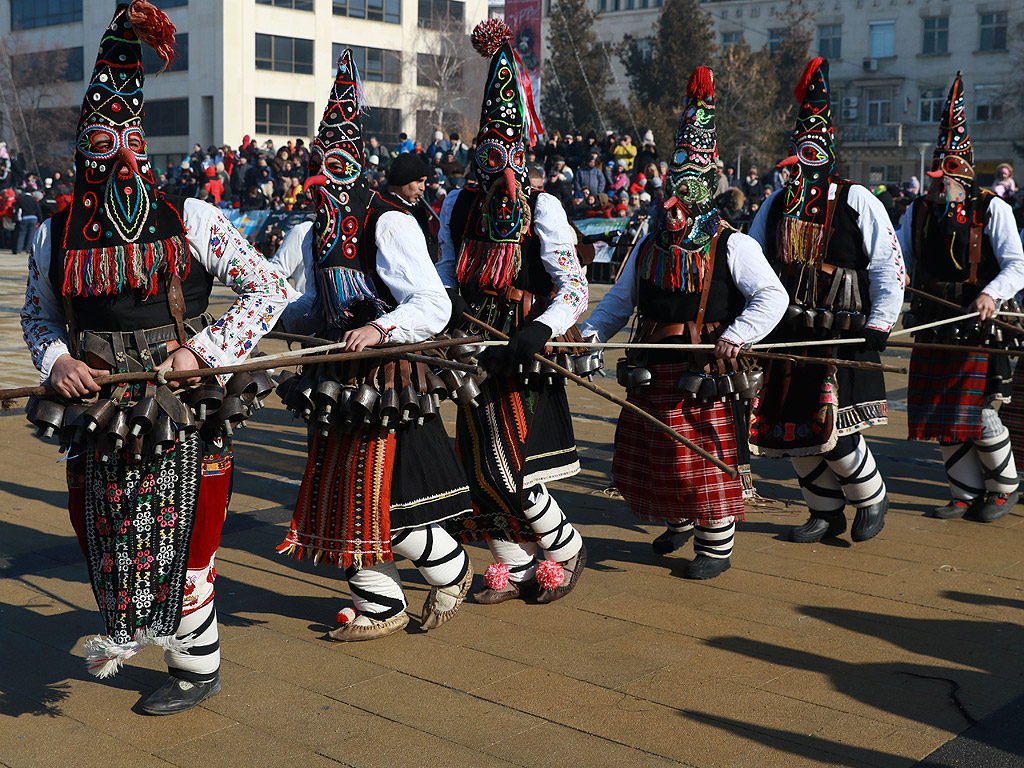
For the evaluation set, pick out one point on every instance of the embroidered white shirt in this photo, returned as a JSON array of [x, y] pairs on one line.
[[218, 248]]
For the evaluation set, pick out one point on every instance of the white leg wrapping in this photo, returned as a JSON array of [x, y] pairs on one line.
[[200, 662], [377, 591], [519, 558], [818, 484], [434, 552], [964, 471], [999, 470], [715, 540], [559, 540], [858, 475]]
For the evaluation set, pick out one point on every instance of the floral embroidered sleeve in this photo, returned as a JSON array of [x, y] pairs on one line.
[[42, 316], [558, 252], [262, 292]]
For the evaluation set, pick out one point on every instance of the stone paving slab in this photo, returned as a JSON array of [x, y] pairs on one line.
[[799, 656]]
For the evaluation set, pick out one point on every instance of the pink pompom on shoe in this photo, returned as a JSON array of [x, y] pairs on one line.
[[496, 576], [550, 574], [345, 615]]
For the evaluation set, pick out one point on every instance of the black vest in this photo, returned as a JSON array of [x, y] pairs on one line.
[[467, 222], [845, 246], [725, 301], [128, 310], [932, 250]]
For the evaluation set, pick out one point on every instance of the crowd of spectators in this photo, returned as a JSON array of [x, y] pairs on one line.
[[593, 176]]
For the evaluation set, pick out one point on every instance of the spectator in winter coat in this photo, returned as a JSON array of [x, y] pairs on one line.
[[647, 154], [1004, 185], [589, 176], [753, 187], [29, 213], [438, 145], [625, 150]]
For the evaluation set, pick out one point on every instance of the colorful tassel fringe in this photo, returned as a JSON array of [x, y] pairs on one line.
[[109, 271], [800, 241], [489, 266], [340, 288]]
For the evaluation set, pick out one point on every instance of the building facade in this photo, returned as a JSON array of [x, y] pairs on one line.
[[891, 65], [261, 68]]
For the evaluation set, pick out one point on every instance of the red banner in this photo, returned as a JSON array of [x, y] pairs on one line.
[[523, 18]]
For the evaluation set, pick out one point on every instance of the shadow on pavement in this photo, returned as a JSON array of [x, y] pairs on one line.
[[977, 662]]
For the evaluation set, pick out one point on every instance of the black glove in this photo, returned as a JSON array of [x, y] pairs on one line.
[[459, 308], [521, 347], [875, 340], [528, 341]]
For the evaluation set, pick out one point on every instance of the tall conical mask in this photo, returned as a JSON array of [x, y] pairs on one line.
[[507, 120], [812, 146], [114, 209], [692, 175], [952, 169], [336, 162]]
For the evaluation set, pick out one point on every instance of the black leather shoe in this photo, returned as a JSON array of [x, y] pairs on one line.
[[869, 521], [178, 695], [669, 541], [704, 567], [955, 509], [994, 506], [820, 525]]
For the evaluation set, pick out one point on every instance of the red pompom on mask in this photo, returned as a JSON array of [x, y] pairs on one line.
[[488, 36], [153, 28]]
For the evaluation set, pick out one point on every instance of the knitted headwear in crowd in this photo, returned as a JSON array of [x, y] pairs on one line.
[[508, 123], [952, 170], [691, 218], [343, 201], [812, 164], [120, 235]]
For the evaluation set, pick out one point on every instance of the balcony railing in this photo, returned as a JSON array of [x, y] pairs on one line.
[[887, 133]]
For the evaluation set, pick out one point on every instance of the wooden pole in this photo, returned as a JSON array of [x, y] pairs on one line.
[[403, 351], [956, 348], [731, 472], [858, 364], [952, 305]]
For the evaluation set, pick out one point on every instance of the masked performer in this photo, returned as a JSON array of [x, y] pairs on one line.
[[120, 282], [693, 280], [381, 471], [510, 252], [963, 247], [832, 244]]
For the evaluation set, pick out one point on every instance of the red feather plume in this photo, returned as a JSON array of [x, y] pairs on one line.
[[701, 84], [805, 79], [488, 36], [153, 28]]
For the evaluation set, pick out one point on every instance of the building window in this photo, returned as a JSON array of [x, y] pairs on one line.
[[151, 63], [645, 49], [374, 64], [383, 123], [433, 71], [830, 41], [936, 35], [993, 31], [64, 65], [436, 14], [283, 118], [169, 3], [389, 11], [883, 39], [729, 39], [988, 107], [879, 106], [932, 102], [166, 117], [298, 5], [284, 54], [29, 14], [775, 37]]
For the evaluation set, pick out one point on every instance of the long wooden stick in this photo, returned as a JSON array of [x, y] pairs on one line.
[[617, 400], [956, 348], [953, 305], [258, 364], [861, 365]]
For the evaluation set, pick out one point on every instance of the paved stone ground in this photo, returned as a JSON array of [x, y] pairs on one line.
[[801, 655]]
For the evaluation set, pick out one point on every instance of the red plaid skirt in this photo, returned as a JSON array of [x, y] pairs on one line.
[[1012, 415], [663, 480], [945, 394]]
